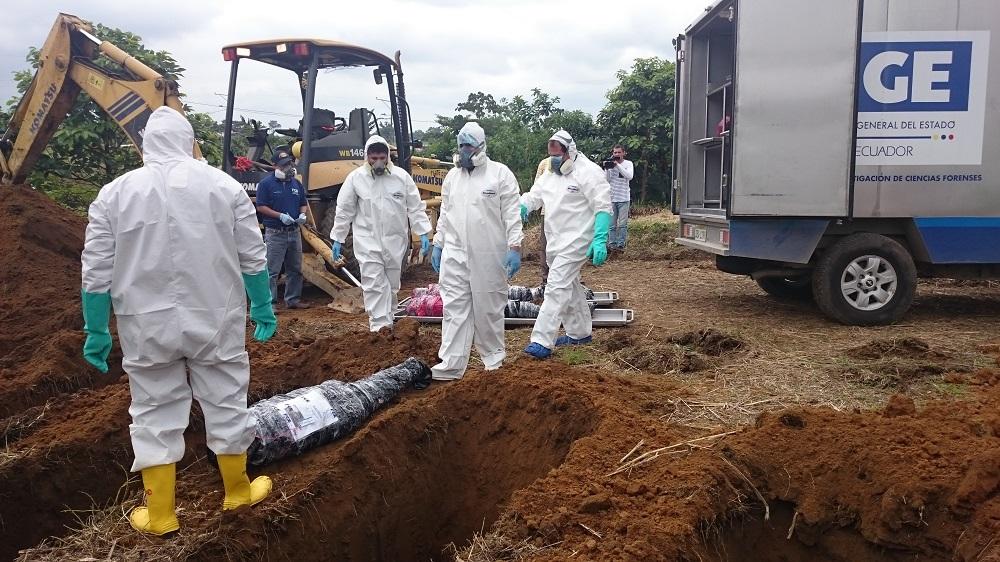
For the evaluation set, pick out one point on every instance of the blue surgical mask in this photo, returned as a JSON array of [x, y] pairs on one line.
[[557, 162]]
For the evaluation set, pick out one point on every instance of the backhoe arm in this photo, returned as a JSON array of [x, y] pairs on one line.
[[66, 67]]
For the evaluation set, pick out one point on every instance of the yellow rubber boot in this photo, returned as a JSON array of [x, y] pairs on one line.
[[240, 491], [157, 517]]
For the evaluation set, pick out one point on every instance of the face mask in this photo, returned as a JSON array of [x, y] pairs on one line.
[[378, 166], [284, 173], [465, 157], [557, 162]]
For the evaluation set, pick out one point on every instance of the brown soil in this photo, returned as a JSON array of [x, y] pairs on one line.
[[532, 447], [77, 452], [907, 348], [686, 352], [709, 342], [898, 362], [539, 460], [922, 487], [40, 302]]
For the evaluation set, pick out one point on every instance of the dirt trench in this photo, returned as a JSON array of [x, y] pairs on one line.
[[539, 461], [73, 453]]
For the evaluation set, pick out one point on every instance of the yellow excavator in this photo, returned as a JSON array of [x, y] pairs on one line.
[[327, 146], [132, 91], [67, 66]]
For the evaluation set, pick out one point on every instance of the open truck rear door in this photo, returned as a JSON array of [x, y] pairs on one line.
[[795, 121]]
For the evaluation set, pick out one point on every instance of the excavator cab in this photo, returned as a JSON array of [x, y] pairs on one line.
[[328, 145]]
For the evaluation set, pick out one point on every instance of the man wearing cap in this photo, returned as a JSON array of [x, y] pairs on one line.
[[281, 200], [577, 200]]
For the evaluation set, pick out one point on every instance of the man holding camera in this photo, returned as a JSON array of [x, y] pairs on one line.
[[620, 172]]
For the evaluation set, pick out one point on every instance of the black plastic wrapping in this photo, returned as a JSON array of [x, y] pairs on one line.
[[534, 294], [289, 424], [524, 294], [521, 309]]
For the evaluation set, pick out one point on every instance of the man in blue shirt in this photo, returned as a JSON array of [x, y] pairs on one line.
[[281, 200]]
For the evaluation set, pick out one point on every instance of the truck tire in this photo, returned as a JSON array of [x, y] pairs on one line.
[[865, 280], [787, 288]]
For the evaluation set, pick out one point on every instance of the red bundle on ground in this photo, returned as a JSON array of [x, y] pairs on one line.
[[426, 302]]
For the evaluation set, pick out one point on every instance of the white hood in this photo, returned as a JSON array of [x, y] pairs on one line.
[[375, 139], [168, 137]]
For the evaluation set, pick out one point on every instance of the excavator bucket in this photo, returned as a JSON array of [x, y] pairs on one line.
[[346, 294], [345, 298], [348, 301]]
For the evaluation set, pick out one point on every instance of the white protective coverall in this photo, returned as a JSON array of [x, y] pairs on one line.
[[480, 220], [380, 207], [169, 241], [570, 202]]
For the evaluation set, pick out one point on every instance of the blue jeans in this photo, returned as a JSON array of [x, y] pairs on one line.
[[284, 247], [619, 225]]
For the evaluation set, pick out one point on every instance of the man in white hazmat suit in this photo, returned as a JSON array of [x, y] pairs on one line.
[[477, 248], [379, 199], [577, 200], [175, 247]]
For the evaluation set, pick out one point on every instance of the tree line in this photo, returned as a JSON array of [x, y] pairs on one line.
[[89, 150]]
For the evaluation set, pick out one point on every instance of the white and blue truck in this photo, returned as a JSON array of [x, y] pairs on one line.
[[840, 150]]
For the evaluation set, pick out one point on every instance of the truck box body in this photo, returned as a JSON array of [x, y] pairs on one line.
[[801, 122]]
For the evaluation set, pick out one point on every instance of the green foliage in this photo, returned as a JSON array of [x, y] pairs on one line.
[[639, 115], [208, 134], [89, 149], [517, 130], [74, 195]]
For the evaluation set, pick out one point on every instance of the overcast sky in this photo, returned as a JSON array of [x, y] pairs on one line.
[[449, 47]]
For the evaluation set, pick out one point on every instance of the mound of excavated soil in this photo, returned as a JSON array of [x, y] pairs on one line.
[[897, 362], [907, 348], [910, 485], [40, 301], [709, 342], [687, 352]]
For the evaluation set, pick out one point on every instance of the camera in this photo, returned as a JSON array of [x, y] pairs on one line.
[[609, 163]]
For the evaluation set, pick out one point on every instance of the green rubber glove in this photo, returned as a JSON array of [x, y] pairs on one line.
[[524, 213], [96, 316], [598, 251], [259, 290]]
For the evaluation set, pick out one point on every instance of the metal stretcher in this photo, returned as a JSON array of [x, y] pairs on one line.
[[602, 317], [605, 298]]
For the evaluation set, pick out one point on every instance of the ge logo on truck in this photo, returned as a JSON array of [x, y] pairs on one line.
[[921, 98], [915, 76]]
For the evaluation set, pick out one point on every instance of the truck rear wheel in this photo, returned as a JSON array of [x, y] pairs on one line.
[[787, 288], [865, 280]]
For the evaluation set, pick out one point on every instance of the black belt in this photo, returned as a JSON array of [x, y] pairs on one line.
[[281, 228]]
